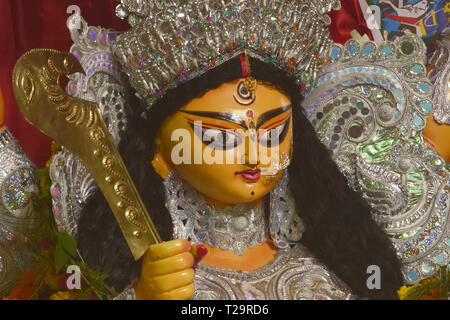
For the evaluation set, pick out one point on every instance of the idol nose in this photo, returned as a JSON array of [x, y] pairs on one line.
[[251, 149]]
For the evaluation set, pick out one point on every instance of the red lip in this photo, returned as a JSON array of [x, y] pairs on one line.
[[250, 174]]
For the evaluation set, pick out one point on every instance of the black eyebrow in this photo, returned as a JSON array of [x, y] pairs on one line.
[[219, 115], [271, 114]]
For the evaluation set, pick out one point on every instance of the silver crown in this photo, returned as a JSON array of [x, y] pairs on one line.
[[174, 41]]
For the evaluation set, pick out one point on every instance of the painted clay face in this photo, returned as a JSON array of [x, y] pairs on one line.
[[233, 143]]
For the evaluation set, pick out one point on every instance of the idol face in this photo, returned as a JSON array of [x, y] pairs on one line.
[[233, 143]]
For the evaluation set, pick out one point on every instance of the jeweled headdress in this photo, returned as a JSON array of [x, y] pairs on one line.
[[174, 41]]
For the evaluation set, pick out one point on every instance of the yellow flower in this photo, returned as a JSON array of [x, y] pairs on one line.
[[61, 295], [403, 292], [410, 292], [43, 184], [51, 279], [55, 150]]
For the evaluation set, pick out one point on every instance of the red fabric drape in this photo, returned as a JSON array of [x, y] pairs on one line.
[[349, 18], [26, 24]]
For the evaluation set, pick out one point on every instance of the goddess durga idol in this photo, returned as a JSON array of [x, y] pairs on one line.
[[349, 202]]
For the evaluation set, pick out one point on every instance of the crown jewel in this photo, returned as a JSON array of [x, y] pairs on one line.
[[174, 41]]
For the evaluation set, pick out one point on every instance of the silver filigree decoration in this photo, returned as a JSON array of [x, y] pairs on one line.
[[369, 109], [19, 182], [103, 81], [388, 202], [440, 76], [232, 228], [104, 84], [71, 186], [128, 294], [286, 227], [293, 274], [171, 42]]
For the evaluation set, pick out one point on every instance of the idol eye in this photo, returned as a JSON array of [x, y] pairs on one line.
[[274, 136], [220, 139]]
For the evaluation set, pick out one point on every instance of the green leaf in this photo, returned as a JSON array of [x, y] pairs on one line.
[[65, 248], [68, 243], [61, 257], [43, 171]]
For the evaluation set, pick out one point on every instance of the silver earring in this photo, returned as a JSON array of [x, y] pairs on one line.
[[286, 227]]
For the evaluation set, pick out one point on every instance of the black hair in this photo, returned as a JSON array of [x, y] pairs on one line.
[[339, 228]]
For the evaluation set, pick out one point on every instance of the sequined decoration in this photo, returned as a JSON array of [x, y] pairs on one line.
[[105, 84], [18, 184], [250, 292], [286, 227], [232, 228], [103, 81], [171, 42], [370, 109], [18, 179], [15, 196], [292, 274], [440, 76]]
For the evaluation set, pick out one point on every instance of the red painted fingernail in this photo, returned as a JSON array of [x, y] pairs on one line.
[[199, 252]]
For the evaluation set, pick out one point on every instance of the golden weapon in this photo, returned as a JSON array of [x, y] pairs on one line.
[[78, 125]]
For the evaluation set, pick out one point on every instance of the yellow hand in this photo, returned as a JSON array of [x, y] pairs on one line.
[[167, 272]]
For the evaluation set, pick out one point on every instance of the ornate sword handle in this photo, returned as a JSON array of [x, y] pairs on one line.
[[78, 125]]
